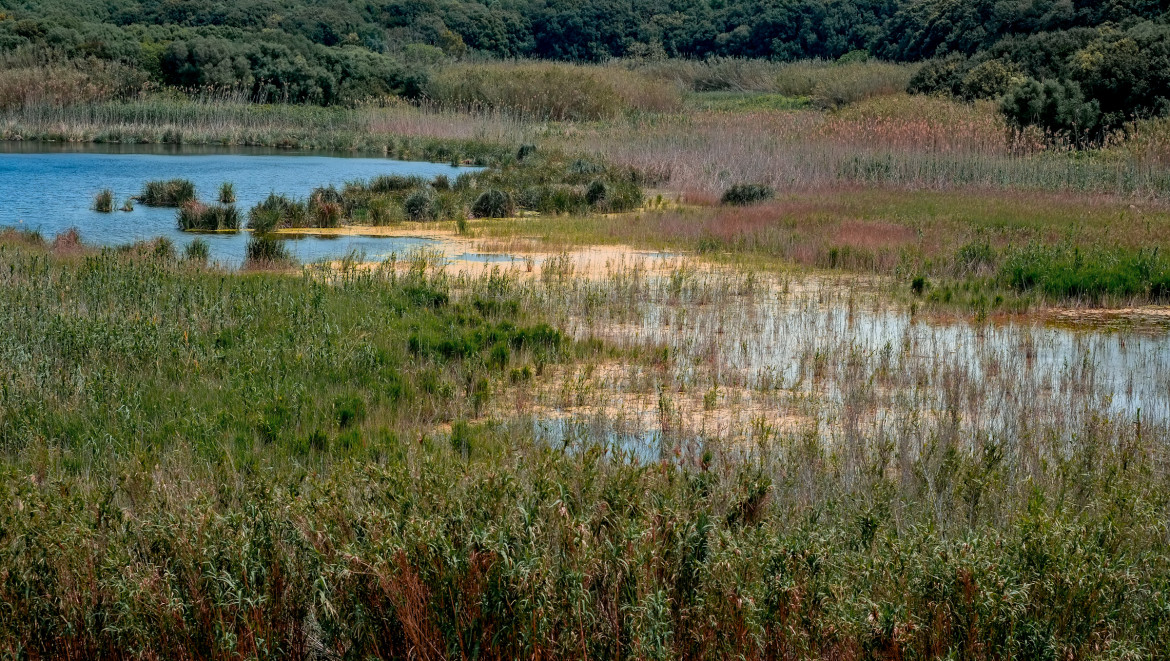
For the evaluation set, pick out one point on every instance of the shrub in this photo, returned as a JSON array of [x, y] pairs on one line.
[[327, 214], [441, 182], [104, 201], [493, 203], [1056, 106], [744, 194], [227, 193], [597, 192], [172, 193], [418, 205]]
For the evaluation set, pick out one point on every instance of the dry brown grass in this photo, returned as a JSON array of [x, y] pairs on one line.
[[29, 84], [550, 91]]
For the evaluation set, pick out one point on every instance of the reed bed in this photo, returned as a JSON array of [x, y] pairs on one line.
[[376, 478], [892, 141]]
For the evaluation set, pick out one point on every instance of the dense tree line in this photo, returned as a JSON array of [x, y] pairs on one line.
[[1081, 66]]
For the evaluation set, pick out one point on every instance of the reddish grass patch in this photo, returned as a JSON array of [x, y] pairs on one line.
[[67, 242], [873, 235]]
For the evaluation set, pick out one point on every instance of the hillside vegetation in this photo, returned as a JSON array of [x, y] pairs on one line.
[[1079, 68]]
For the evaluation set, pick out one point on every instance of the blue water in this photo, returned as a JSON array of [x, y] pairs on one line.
[[52, 191]]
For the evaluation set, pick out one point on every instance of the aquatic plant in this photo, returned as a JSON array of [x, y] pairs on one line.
[[277, 211], [103, 201], [128, 205], [196, 216], [171, 193], [395, 183], [265, 250], [493, 203], [227, 193]]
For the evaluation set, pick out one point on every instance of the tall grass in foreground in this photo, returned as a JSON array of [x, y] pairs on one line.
[[263, 465]]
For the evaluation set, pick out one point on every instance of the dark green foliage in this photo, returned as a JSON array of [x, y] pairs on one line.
[[196, 216], [597, 192], [493, 203], [172, 193], [419, 205], [1056, 106], [744, 194]]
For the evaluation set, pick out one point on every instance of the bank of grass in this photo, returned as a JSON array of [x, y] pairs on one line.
[[972, 249], [219, 465]]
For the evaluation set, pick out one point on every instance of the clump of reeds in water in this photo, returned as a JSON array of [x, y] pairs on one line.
[[196, 216], [171, 193], [128, 205], [227, 193], [104, 201], [326, 206], [277, 211]]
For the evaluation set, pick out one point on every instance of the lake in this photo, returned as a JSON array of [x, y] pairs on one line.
[[51, 190]]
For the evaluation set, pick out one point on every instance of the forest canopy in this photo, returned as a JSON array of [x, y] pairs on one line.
[[1079, 66]]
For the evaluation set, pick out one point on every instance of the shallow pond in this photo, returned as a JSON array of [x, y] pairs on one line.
[[52, 190]]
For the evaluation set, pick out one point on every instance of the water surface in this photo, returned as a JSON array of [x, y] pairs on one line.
[[51, 190]]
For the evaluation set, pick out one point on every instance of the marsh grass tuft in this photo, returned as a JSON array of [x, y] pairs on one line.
[[227, 193], [171, 193], [103, 201], [196, 216]]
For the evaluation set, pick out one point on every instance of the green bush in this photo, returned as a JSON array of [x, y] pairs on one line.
[[493, 203], [745, 194], [227, 193], [419, 205], [1056, 106]]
